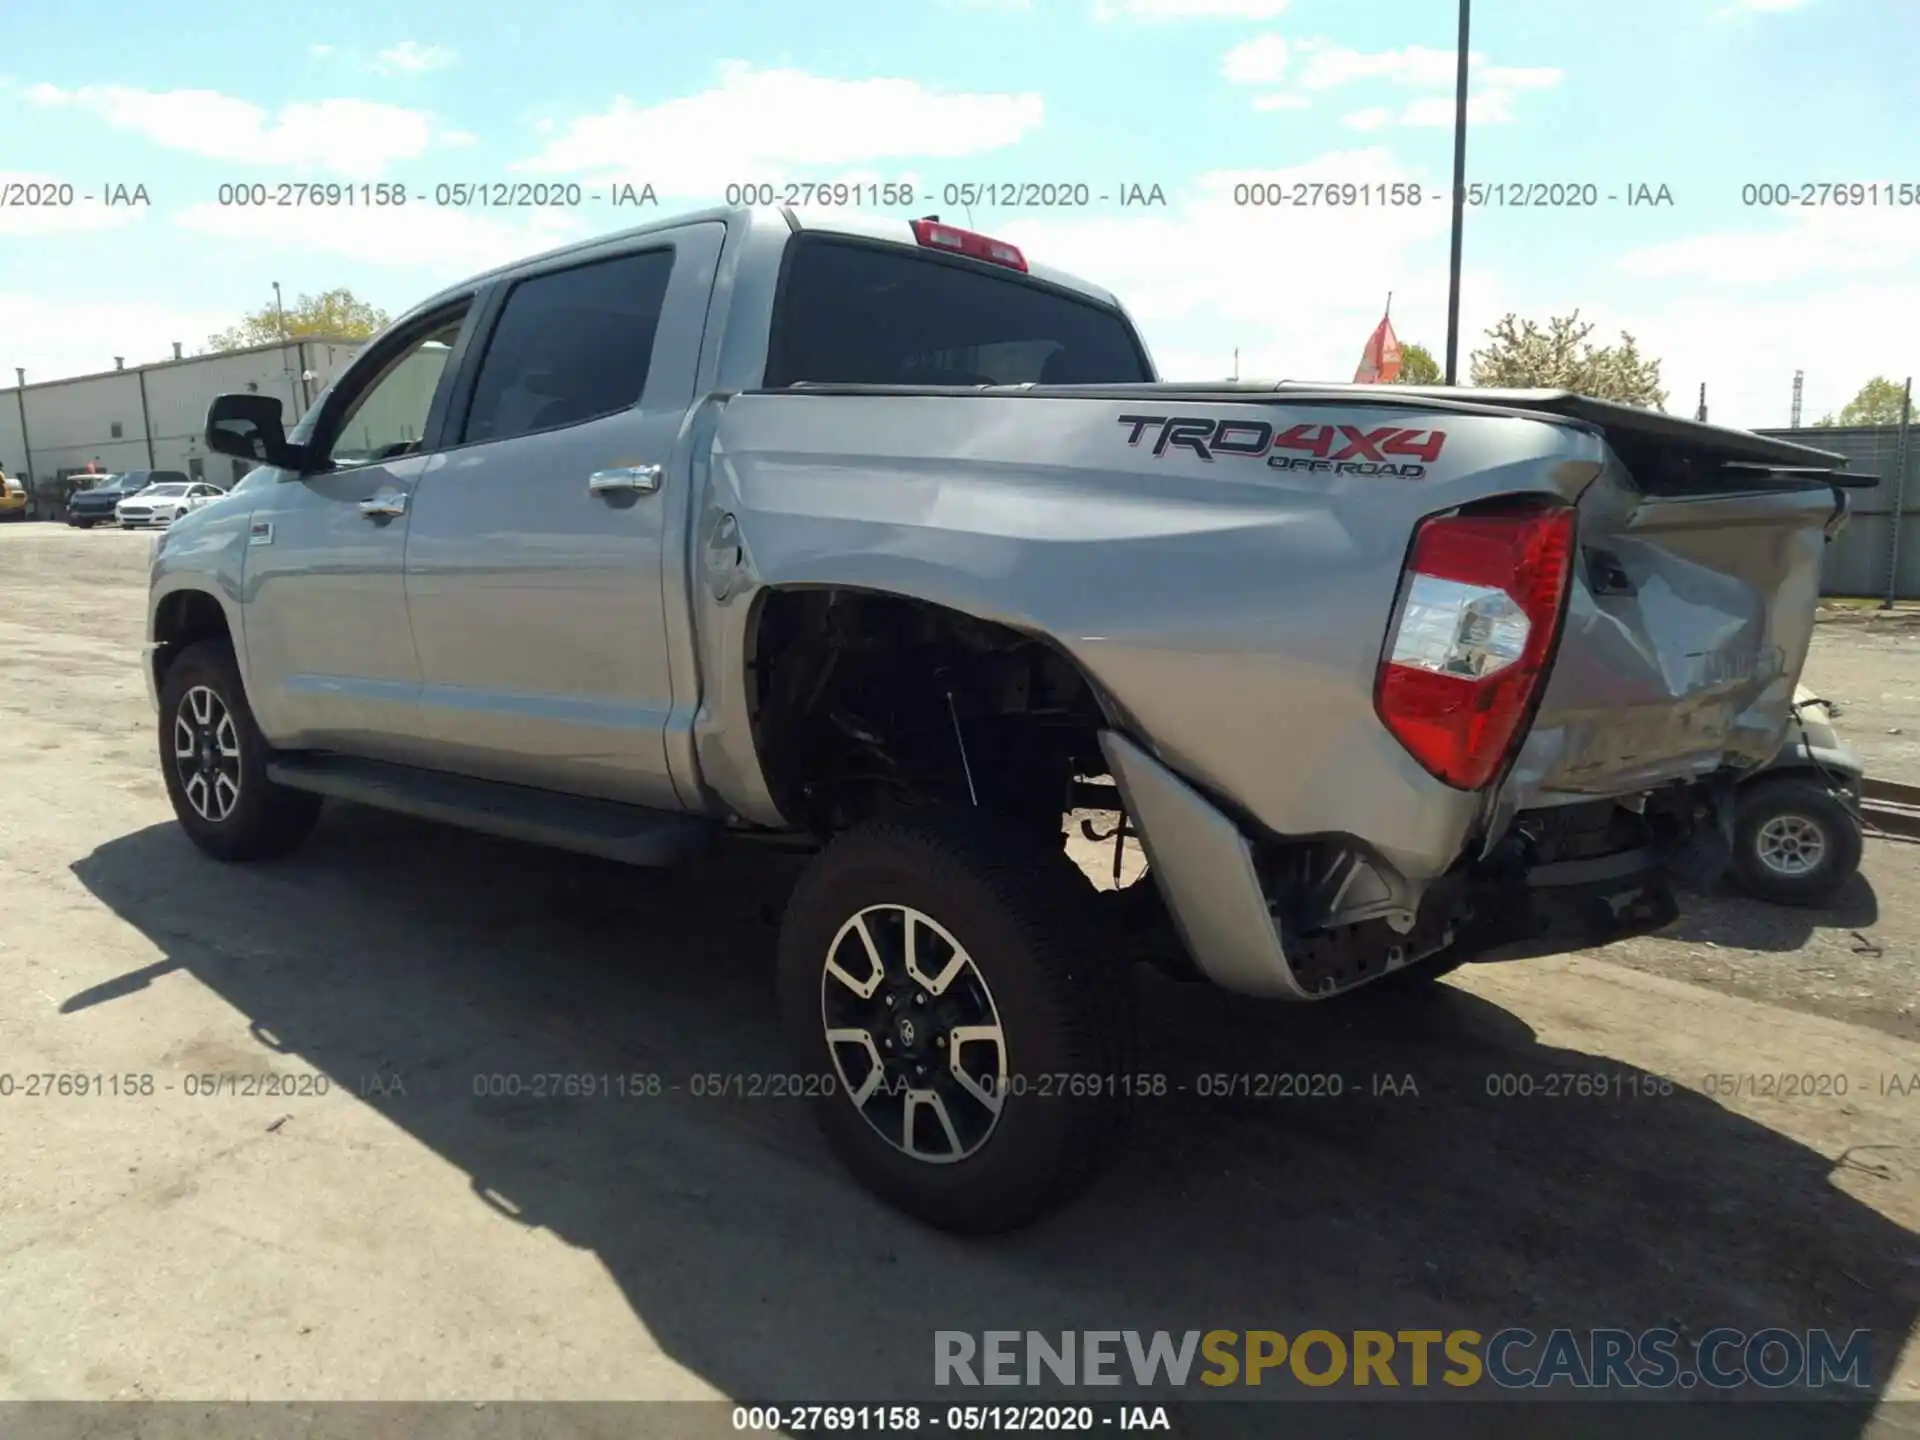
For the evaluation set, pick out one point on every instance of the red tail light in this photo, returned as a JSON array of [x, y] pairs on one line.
[[931, 233], [1479, 606]]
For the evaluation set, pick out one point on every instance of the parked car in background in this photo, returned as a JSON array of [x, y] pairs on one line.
[[158, 506], [97, 504], [13, 499]]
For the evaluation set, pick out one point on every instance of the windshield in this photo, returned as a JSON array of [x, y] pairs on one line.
[[162, 491], [862, 314]]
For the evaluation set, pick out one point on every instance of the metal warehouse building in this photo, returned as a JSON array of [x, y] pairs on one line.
[[152, 417]]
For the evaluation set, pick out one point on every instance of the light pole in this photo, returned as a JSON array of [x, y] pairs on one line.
[[26, 443], [1459, 195]]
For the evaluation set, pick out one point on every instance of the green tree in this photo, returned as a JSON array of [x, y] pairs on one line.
[[1878, 403], [1521, 355], [1417, 366], [337, 313]]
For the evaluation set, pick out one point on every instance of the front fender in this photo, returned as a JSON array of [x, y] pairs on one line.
[[205, 552]]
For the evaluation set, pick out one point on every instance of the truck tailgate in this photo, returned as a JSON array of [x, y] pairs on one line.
[[1688, 620]]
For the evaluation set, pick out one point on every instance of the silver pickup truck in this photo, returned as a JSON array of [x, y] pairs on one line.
[[872, 537]]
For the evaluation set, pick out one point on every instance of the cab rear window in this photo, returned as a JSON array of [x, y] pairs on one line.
[[855, 313]]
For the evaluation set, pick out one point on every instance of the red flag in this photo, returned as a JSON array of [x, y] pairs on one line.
[[1380, 361]]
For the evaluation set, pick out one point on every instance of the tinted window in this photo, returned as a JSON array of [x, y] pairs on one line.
[[172, 477], [570, 346], [860, 314], [388, 418], [167, 490]]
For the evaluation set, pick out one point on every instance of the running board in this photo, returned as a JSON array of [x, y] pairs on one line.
[[627, 833]]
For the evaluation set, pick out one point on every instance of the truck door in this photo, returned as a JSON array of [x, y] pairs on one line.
[[534, 558], [330, 655]]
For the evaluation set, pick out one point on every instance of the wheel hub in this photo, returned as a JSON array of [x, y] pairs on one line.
[[206, 753], [1791, 845], [914, 1034]]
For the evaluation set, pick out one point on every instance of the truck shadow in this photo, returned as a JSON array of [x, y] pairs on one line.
[[1730, 917], [1423, 1194]]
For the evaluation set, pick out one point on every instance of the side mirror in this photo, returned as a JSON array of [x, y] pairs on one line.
[[249, 427]]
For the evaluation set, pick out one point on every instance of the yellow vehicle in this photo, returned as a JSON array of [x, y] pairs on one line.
[[13, 498]]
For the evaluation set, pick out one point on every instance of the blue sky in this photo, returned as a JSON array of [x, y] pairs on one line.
[[1197, 96]]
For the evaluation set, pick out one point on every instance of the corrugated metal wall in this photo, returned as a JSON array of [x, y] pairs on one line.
[[152, 417], [1857, 562]]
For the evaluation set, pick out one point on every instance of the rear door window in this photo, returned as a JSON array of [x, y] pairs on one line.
[[570, 346], [863, 314]]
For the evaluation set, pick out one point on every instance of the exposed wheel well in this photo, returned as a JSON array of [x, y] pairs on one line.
[[863, 702], [185, 618]]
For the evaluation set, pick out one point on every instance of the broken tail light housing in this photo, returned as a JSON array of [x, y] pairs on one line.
[[1480, 605], [935, 236]]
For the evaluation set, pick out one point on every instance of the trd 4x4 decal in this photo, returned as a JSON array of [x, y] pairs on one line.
[[1330, 449]]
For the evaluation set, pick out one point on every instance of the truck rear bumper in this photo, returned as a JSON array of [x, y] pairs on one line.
[[1233, 927]]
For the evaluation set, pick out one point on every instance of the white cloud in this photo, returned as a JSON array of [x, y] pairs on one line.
[[1836, 242], [54, 339], [81, 214], [1163, 10], [1260, 61], [1374, 117], [319, 52], [458, 242], [1757, 7], [1489, 107], [354, 138], [1329, 65], [410, 57], [1492, 107], [768, 125], [1297, 289], [1282, 102], [1515, 77]]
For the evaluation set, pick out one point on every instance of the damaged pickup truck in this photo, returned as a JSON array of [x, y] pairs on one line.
[[870, 537]]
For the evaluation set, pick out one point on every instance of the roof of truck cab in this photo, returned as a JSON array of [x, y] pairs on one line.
[[850, 223]]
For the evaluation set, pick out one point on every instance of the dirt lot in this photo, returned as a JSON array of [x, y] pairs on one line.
[[398, 1237]]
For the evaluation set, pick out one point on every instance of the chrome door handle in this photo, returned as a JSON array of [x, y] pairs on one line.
[[641, 478], [384, 507]]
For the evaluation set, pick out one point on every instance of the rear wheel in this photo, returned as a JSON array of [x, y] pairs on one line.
[[214, 760], [939, 973], [1795, 842]]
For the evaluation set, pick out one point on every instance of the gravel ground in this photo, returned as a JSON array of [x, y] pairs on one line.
[[400, 1236]]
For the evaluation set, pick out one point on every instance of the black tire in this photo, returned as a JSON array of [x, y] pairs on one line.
[[1064, 1003], [1801, 803], [263, 820], [80, 524]]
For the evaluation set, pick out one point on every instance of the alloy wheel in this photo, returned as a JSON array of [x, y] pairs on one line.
[[206, 754], [915, 1036]]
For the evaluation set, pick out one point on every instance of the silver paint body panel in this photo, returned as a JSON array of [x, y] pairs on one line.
[[514, 626]]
